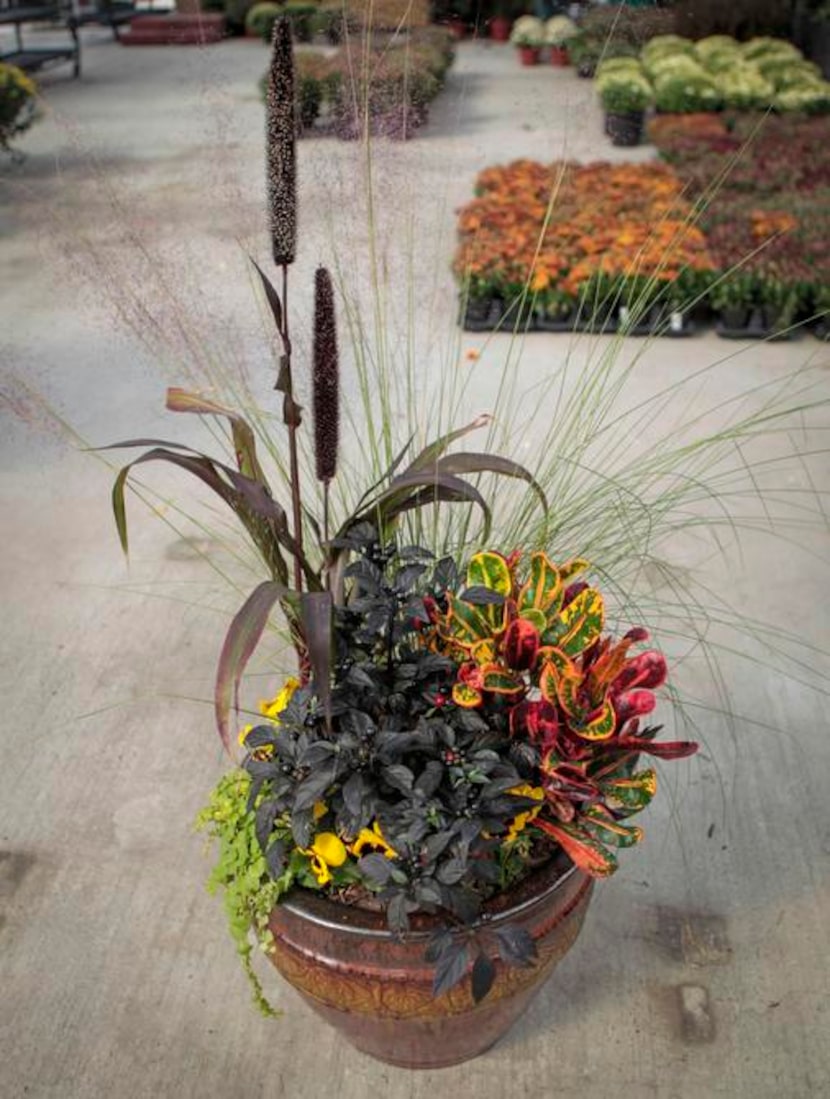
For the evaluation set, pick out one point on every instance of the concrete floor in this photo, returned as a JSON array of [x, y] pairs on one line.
[[703, 968]]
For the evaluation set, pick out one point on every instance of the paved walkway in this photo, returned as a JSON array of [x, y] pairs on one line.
[[703, 968]]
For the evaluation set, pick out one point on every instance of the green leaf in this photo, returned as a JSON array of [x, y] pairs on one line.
[[607, 830], [543, 590], [582, 622], [240, 642], [490, 570], [580, 847], [630, 795], [601, 727]]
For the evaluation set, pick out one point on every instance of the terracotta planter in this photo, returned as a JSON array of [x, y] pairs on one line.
[[500, 28], [529, 55], [559, 56], [376, 990]]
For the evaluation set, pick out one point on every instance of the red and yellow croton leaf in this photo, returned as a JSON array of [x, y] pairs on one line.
[[582, 849], [600, 726], [464, 624], [543, 590], [581, 622], [520, 645], [469, 698], [572, 568], [489, 569], [630, 795], [500, 680], [607, 830], [666, 749]]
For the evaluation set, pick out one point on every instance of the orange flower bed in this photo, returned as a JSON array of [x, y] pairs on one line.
[[555, 227]]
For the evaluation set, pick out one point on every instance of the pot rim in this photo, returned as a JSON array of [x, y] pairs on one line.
[[323, 912]]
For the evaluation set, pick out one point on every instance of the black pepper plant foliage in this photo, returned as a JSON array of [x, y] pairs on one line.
[[281, 147], [326, 394]]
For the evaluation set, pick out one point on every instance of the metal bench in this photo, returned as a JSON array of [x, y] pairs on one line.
[[32, 58]]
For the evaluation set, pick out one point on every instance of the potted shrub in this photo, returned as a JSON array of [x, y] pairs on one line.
[[501, 21], [559, 31], [781, 301], [260, 19], [528, 36], [419, 813], [686, 92], [17, 103], [302, 18], [625, 95], [735, 297]]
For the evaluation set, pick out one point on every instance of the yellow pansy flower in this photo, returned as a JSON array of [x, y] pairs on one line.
[[243, 732], [372, 839], [327, 850], [270, 708], [521, 820]]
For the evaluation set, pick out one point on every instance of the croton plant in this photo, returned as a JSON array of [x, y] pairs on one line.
[[452, 724]]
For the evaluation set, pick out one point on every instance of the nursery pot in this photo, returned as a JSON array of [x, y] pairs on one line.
[[458, 28], [376, 989], [529, 55], [559, 56], [500, 28], [625, 129]]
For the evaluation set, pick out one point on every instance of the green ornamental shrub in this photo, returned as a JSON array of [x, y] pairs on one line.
[[787, 73], [811, 98], [685, 93], [559, 30], [666, 45], [743, 88], [260, 19], [619, 64], [302, 17], [757, 48], [677, 64], [528, 31], [624, 92]]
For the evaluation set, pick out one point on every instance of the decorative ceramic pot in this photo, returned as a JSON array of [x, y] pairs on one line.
[[377, 989], [529, 55]]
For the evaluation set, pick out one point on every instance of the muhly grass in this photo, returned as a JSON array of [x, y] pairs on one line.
[[656, 490]]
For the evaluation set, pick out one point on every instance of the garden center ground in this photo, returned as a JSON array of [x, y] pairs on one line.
[[703, 967]]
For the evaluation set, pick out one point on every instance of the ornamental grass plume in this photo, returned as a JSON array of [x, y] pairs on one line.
[[282, 147], [326, 396]]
